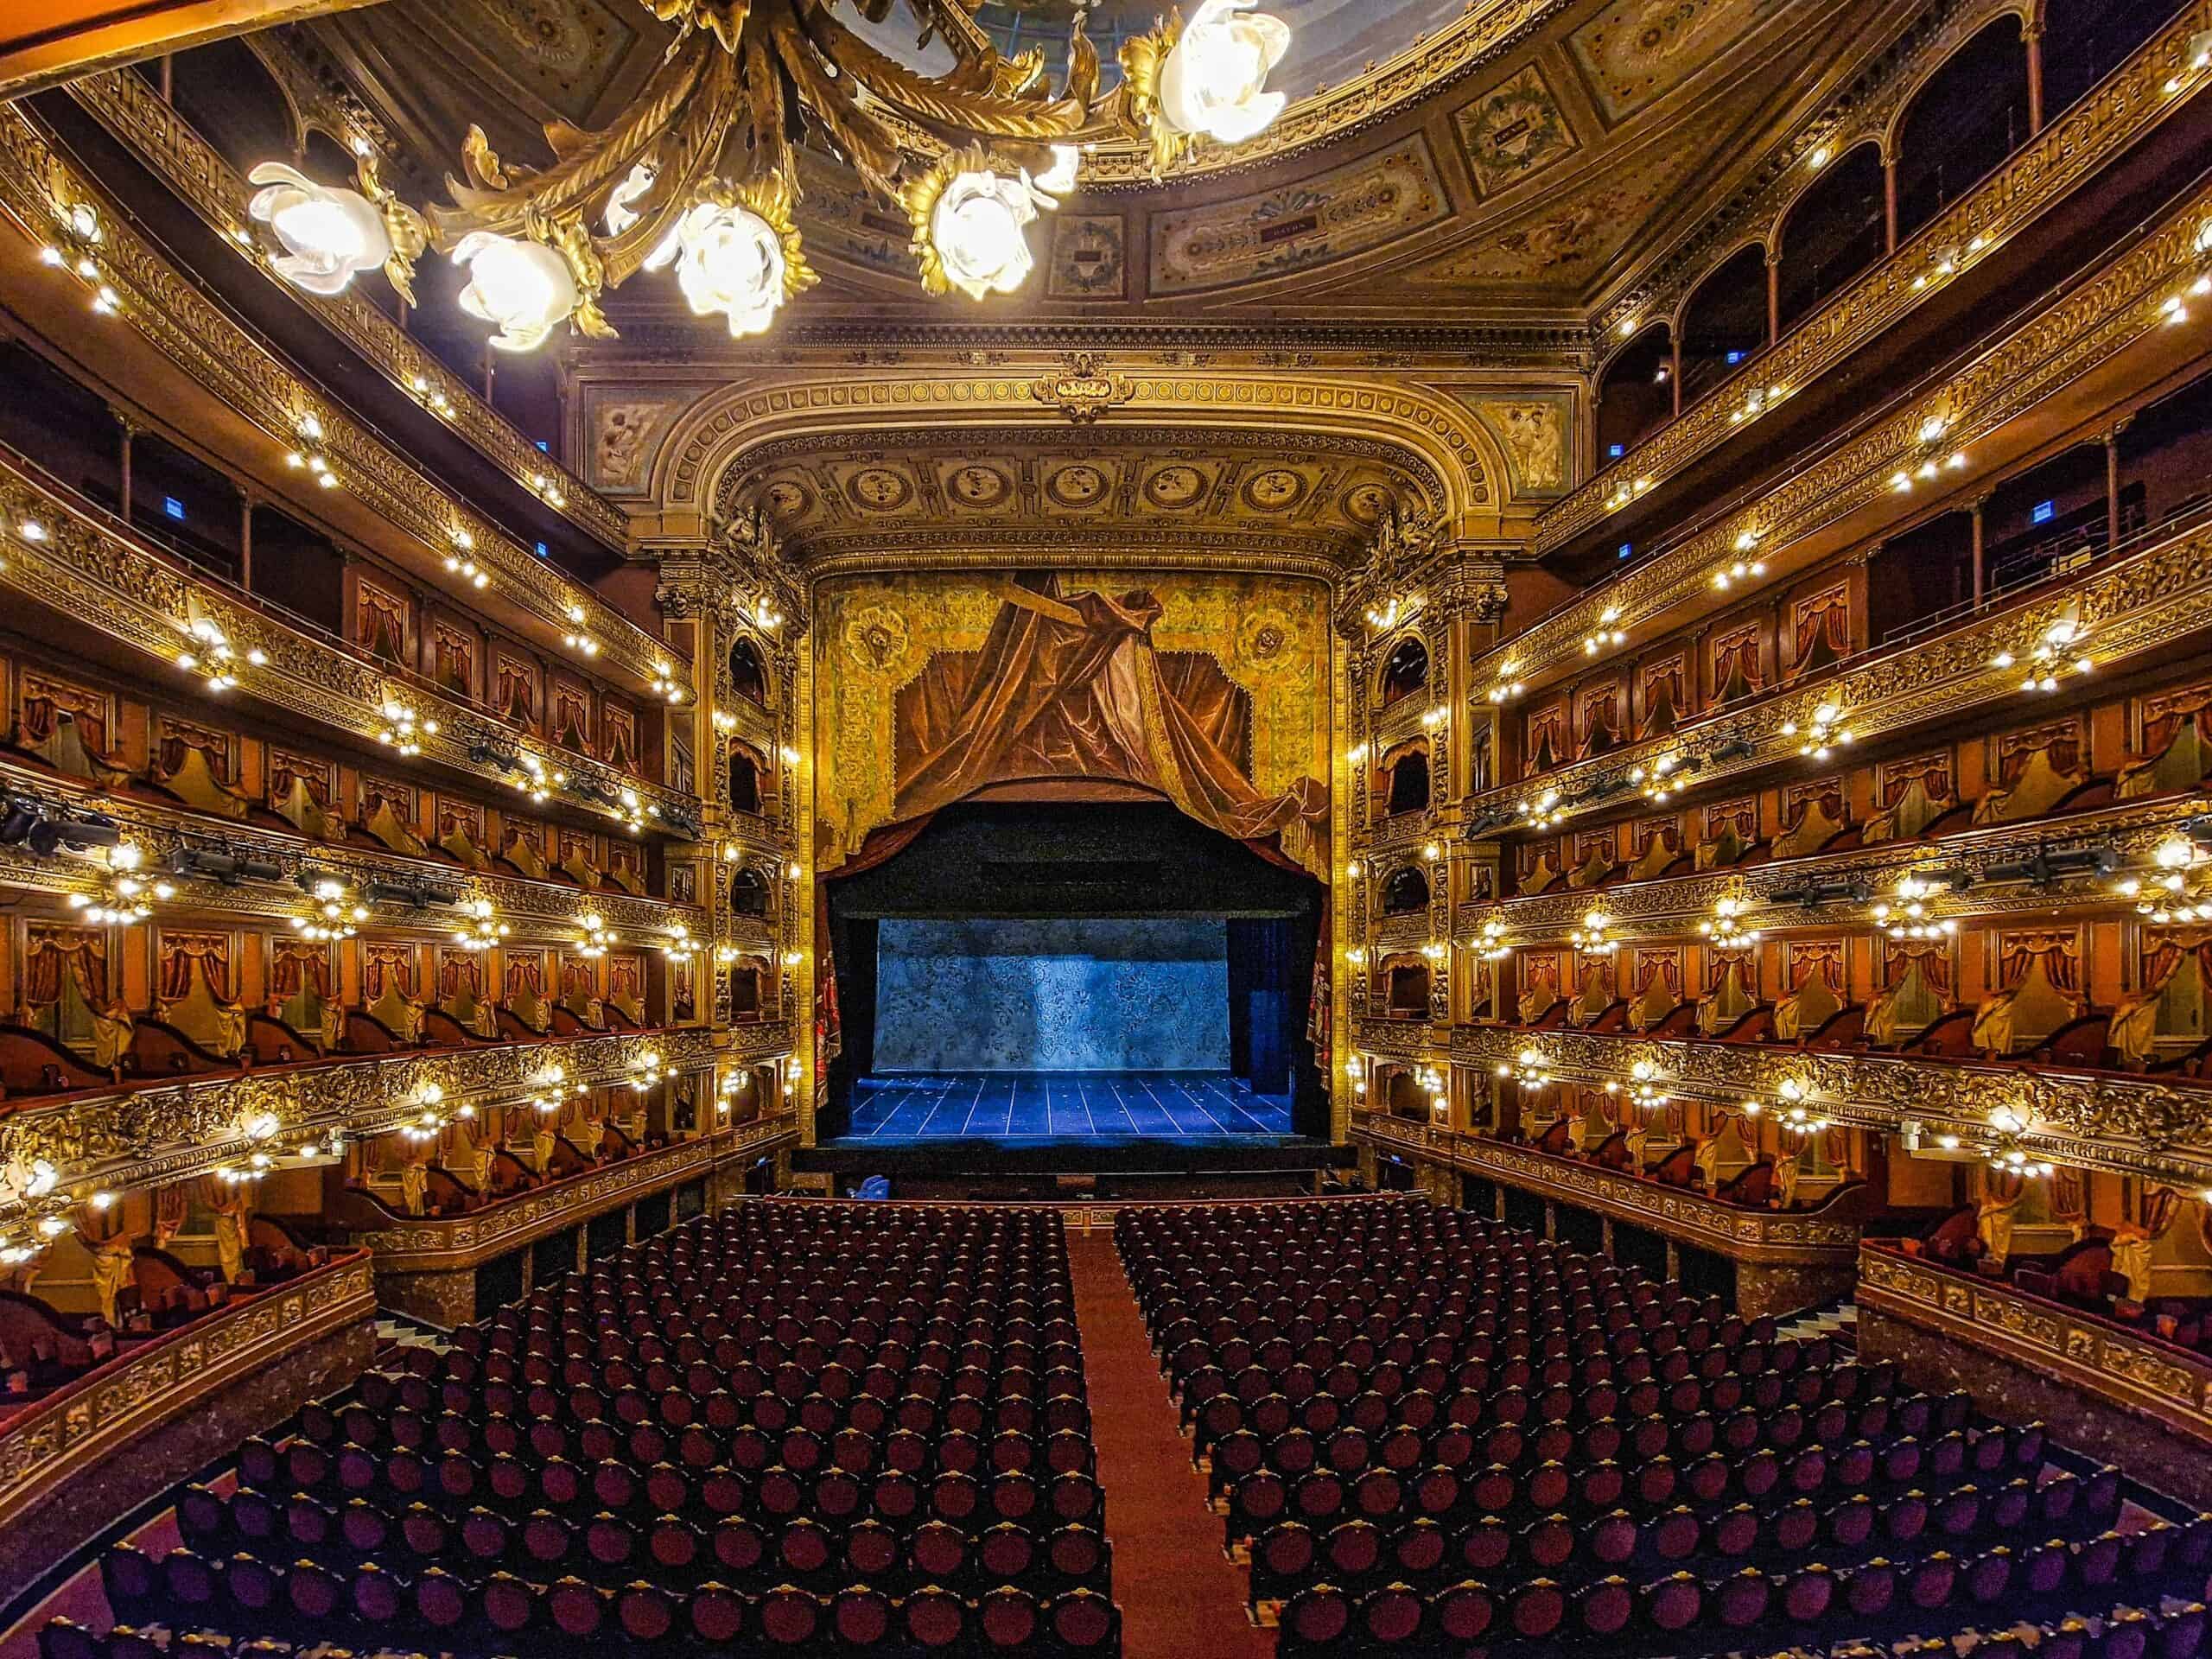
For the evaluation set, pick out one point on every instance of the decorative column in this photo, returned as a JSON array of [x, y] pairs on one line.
[[1889, 204], [1773, 297], [1980, 571], [2033, 34], [2110, 439], [129, 428]]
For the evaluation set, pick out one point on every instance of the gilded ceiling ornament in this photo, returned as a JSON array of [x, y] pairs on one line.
[[1082, 390]]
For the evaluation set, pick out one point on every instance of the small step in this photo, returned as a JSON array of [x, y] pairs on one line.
[[1838, 1321]]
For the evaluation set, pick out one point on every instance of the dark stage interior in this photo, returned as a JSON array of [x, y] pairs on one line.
[[1073, 987]]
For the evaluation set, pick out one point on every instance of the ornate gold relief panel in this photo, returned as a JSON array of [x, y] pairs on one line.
[[1315, 222]]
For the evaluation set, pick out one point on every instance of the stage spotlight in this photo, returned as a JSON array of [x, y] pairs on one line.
[[45, 837], [16, 822], [97, 830]]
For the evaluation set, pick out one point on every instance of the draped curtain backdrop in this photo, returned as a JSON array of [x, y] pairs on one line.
[[1073, 687]]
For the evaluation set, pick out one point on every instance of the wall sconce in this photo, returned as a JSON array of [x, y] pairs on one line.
[[403, 730], [1826, 731], [482, 930]]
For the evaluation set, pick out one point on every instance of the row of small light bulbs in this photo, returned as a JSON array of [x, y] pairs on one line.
[[36, 1187], [309, 451]]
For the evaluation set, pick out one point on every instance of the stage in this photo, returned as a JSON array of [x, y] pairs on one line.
[[1065, 1123], [1061, 1106]]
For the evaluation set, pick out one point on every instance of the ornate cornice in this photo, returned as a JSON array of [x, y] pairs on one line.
[[2132, 606], [432, 1244], [2133, 1123], [40, 188], [2170, 1384], [128, 106], [1168, 343], [2071, 150], [91, 571], [1672, 906], [540, 912], [64, 1435], [1431, 430], [1829, 1236], [955, 550], [164, 1133]]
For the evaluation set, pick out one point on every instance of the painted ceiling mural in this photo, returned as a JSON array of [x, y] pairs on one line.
[[1578, 123], [1211, 689]]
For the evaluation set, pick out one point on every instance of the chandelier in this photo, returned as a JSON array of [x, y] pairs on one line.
[[699, 172]]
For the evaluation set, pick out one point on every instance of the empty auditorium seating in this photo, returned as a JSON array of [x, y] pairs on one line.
[[788, 1426], [1432, 1433]]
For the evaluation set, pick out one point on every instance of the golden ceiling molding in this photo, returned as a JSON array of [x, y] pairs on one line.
[[1312, 499], [164, 1133], [83, 570], [43, 44], [2069, 151], [2139, 605], [1671, 907], [2124, 1122], [128, 106], [40, 188], [970, 550], [719, 433], [2073, 336]]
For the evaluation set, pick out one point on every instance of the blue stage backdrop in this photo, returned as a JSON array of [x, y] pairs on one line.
[[1069, 995]]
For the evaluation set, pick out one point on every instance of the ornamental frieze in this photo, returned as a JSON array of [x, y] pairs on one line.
[[2130, 1122], [2077, 333], [424, 1244], [1747, 1235], [1674, 904], [128, 105], [40, 187], [163, 1134], [539, 912], [2094, 1354], [153, 1381], [2139, 606], [85, 571]]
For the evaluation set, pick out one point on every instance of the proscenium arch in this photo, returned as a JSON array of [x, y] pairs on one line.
[[1456, 469]]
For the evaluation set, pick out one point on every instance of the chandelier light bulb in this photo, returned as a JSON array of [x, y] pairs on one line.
[[525, 290], [329, 234], [977, 228], [729, 261], [1214, 82]]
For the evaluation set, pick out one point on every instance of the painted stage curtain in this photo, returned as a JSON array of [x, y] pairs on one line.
[[1074, 688]]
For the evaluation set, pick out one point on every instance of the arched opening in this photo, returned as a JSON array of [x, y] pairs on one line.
[[748, 678], [2054, 519], [1406, 672], [1407, 992], [2084, 41], [1404, 1097], [1920, 572], [1405, 891], [744, 781], [1832, 233], [747, 991], [748, 894], [1409, 783], [1636, 396], [228, 97], [1724, 324], [188, 506], [1964, 121], [63, 426]]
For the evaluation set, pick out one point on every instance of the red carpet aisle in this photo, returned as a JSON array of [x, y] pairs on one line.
[[1181, 1599]]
